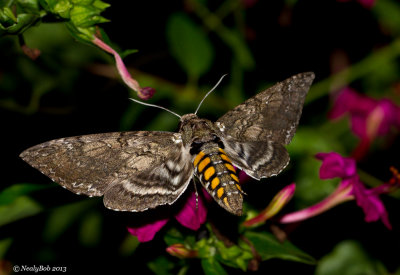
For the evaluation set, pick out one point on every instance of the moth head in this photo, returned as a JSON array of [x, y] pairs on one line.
[[196, 131]]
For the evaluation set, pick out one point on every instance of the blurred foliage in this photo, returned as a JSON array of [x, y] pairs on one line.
[[52, 86], [348, 258]]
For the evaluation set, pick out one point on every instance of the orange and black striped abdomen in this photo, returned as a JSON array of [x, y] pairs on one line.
[[217, 174]]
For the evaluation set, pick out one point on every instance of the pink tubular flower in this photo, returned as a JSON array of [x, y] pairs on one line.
[[143, 93], [276, 204], [192, 215], [350, 188], [369, 117]]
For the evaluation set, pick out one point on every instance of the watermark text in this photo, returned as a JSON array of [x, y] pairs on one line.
[[39, 268]]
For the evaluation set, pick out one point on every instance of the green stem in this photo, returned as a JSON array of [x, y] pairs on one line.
[[229, 37], [368, 179]]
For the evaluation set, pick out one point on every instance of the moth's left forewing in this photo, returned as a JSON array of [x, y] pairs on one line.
[[133, 170], [156, 178]]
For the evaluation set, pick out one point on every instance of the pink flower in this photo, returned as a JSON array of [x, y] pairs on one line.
[[369, 117], [276, 204], [350, 188], [143, 93], [189, 216]]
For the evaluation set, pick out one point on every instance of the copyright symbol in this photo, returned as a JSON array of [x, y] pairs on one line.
[[16, 268]]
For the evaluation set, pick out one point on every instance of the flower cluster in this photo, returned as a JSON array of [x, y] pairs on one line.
[[350, 188]]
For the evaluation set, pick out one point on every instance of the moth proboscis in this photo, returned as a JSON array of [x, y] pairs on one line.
[[135, 171]]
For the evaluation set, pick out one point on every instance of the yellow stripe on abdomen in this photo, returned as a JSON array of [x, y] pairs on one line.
[[203, 164], [209, 172], [198, 158]]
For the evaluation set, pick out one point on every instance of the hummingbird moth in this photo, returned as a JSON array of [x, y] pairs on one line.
[[135, 171]]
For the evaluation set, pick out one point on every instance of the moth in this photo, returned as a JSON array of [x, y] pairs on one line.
[[140, 170]]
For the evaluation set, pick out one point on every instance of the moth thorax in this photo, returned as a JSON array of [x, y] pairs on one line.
[[217, 174]]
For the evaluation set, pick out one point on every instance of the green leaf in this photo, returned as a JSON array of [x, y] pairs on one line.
[[61, 218], [24, 21], [100, 5], [189, 45], [173, 236], [212, 267], [234, 256], [90, 232], [238, 45], [84, 35], [347, 258], [19, 208], [86, 16], [128, 245], [269, 247], [388, 13], [29, 6], [128, 52], [161, 266], [11, 193], [82, 15], [6, 15], [205, 248], [59, 7]]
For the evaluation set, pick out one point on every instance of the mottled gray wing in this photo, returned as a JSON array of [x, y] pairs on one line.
[[255, 131], [259, 159], [272, 114], [133, 170]]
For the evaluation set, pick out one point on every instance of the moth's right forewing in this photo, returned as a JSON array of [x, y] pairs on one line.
[[272, 114]]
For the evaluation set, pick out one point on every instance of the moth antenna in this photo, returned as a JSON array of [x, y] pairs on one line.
[[153, 105], [216, 85]]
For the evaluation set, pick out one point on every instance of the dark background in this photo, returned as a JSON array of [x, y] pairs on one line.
[[284, 39]]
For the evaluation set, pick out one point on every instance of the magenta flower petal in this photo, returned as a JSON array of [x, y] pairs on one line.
[[190, 216], [359, 126], [350, 188], [370, 203], [391, 114], [147, 232], [147, 92], [334, 165], [344, 102], [358, 107], [341, 194], [369, 117], [243, 177]]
